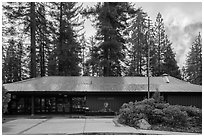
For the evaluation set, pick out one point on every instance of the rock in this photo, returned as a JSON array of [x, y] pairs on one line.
[[143, 124]]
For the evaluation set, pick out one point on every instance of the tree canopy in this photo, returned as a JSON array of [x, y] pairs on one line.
[[47, 39], [193, 68]]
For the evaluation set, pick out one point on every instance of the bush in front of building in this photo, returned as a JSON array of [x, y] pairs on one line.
[[174, 117], [194, 115], [157, 112], [153, 112], [129, 114], [6, 97]]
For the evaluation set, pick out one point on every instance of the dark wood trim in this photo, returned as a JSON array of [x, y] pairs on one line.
[[32, 105]]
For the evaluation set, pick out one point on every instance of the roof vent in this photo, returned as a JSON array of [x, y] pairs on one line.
[[166, 79]]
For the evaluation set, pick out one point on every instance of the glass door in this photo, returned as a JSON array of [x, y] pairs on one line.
[[52, 105], [78, 104], [66, 105], [45, 104], [37, 105], [60, 105]]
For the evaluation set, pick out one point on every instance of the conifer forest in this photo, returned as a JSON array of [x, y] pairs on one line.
[[47, 39]]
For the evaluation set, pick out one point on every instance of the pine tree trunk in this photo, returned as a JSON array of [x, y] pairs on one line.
[[134, 62], [42, 60], [106, 49], [60, 66], [43, 45], [159, 55], [19, 61], [106, 56], [138, 52], [33, 46]]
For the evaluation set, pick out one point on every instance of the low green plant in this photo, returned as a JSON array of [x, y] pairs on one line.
[[161, 105], [157, 97], [156, 117], [157, 112], [6, 97], [194, 115], [174, 117]]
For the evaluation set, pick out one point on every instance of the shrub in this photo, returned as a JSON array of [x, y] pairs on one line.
[[194, 114], [160, 113], [191, 111], [161, 105], [123, 116], [131, 113], [174, 117], [156, 117], [126, 114], [150, 101], [157, 97], [141, 111], [6, 97], [125, 105]]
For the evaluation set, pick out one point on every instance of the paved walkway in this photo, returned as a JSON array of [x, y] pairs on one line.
[[73, 126]]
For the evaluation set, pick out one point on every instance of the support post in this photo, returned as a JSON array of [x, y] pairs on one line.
[[148, 73], [148, 60], [32, 105]]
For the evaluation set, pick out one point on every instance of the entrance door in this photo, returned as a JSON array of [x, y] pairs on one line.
[[63, 104], [60, 105], [45, 104], [78, 104], [52, 103], [67, 105]]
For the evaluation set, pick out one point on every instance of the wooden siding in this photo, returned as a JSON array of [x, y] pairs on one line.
[[186, 99], [96, 102]]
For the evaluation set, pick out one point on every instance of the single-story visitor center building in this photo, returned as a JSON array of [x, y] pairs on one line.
[[75, 95]]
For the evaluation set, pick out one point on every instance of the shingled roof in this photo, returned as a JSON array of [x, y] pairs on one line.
[[103, 84]]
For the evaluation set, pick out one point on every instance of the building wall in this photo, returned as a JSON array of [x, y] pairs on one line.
[[184, 98], [95, 102]]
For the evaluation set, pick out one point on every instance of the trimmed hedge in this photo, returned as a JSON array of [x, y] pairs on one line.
[[157, 112]]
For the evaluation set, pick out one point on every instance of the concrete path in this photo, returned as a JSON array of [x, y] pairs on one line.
[[106, 126], [73, 126], [18, 126], [59, 126]]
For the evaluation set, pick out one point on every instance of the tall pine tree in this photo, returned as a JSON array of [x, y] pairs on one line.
[[162, 57], [48, 29], [194, 62], [92, 66], [68, 49], [159, 41], [137, 39], [111, 19], [25, 15], [12, 63], [169, 66], [14, 51]]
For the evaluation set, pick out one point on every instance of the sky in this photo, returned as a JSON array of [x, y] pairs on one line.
[[182, 20]]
